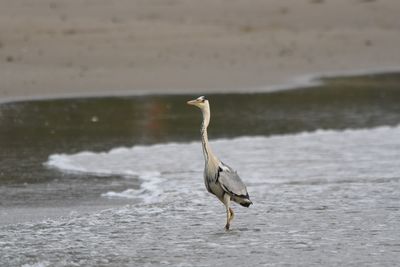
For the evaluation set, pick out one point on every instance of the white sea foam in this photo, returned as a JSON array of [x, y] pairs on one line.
[[150, 190], [174, 169], [37, 264]]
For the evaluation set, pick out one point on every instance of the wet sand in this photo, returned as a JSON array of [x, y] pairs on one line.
[[63, 48]]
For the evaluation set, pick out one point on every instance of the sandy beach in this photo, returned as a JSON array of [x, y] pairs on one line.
[[70, 48]]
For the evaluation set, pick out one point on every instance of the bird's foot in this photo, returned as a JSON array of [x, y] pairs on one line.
[[227, 227]]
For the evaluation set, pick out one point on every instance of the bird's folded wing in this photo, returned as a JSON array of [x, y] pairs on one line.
[[231, 183]]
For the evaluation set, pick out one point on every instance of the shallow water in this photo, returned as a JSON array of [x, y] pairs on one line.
[[118, 181]]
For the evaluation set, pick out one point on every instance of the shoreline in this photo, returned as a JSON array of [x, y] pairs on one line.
[[308, 80], [89, 49]]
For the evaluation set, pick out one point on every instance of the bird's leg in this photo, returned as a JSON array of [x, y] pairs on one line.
[[227, 225], [227, 202], [232, 214]]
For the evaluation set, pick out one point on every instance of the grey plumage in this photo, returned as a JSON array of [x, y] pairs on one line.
[[220, 179], [231, 183]]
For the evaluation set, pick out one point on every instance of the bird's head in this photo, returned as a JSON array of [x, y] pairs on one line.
[[200, 102]]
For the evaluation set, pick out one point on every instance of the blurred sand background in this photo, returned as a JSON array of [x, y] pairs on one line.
[[58, 48]]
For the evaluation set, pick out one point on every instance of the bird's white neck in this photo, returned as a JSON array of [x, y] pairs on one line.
[[207, 152]]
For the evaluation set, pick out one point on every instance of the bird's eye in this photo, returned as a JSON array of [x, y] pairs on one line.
[[202, 101]]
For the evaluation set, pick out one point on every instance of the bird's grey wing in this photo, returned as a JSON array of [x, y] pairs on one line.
[[231, 182]]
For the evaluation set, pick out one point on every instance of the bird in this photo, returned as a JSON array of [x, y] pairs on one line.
[[220, 179]]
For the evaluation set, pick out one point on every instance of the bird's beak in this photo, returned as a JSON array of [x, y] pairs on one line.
[[192, 102]]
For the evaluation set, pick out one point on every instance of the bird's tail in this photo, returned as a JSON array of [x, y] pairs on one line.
[[245, 201]]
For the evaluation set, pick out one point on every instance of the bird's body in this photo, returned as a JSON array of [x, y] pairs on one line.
[[220, 179]]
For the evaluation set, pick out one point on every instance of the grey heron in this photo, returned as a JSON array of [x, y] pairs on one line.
[[220, 179]]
